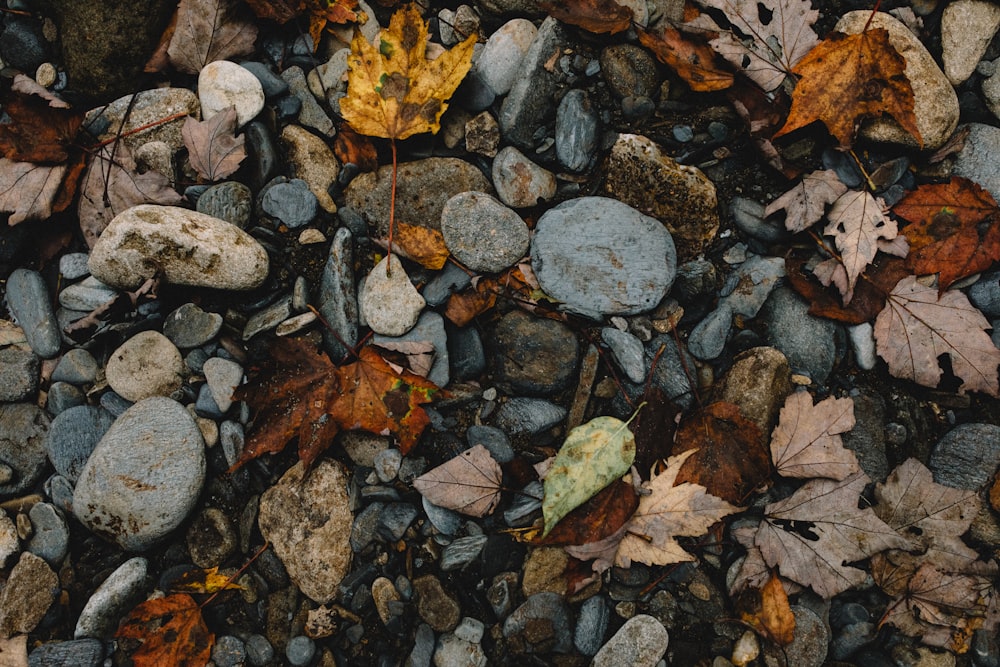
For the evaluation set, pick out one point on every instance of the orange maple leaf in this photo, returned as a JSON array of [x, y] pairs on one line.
[[693, 60], [172, 631], [320, 13], [846, 78]]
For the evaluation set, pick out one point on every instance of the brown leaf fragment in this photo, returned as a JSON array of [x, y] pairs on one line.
[[806, 442], [468, 483], [351, 147], [203, 580], [416, 356], [598, 16], [596, 519], [213, 147], [210, 30], [654, 428], [28, 86], [847, 78], [28, 191], [857, 224], [768, 612], [37, 131], [172, 632], [870, 292], [917, 326], [423, 245], [692, 60], [806, 203]]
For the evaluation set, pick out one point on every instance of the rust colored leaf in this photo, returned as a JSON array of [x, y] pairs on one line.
[[210, 30], [600, 16], [769, 612], [596, 519], [468, 483], [36, 131], [423, 245], [654, 428], [466, 306], [731, 458], [172, 632], [955, 229], [846, 78], [692, 60], [213, 147], [202, 580], [351, 147], [870, 292]]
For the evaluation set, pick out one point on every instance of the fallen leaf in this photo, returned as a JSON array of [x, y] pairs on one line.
[[29, 191], [668, 512], [353, 148], [36, 131], [416, 356], [870, 292], [857, 223], [602, 553], [596, 519], [654, 428], [813, 535], [468, 483], [731, 458], [769, 612], [917, 326], [753, 572], [693, 61], [594, 455], [847, 78], [28, 86], [768, 49], [210, 30], [172, 632], [213, 147], [955, 229], [806, 203], [806, 443], [599, 16], [393, 91], [282, 11], [423, 245], [202, 580]]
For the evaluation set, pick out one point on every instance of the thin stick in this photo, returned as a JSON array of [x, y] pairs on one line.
[[392, 206]]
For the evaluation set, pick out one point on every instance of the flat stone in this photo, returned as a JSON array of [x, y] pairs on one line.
[[977, 159], [223, 377], [680, 196], [935, 103], [430, 329], [73, 435], [49, 534], [189, 326], [337, 301], [521, 183], [578, 129], [63, 396], [501, 57], [112, 599], [541, 625], [312, 114], [150, 107], [627, 352], [189, 247], [75, 653], [482, 233], [144, 476], [310, 159], [18, 374], [966, 456], [809, 342], [73, 265], [230, 201], [390, 304], [591, 625], [223, 84], [600, 256], [967, 28], [147, 364], [434, 605], [30, 590], [307, 519], [86, 295], [758, 383], [23, 430], [641, 642], [28, 301], [77, 366], [532, 355], [528, 416]]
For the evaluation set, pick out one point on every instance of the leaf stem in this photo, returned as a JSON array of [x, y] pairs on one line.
[[392, 205]]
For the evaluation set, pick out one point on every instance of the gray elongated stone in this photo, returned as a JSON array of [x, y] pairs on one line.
[[144, 476], [86, 295], [149, 108], [482, 233], [748, 287], [708, 338], [600, 256], [29, 303], [501, 57], [641, 642], [591, 625], [310, 159], [73, 435], [390, 303], [23, 428], [312, 114], [528, 415], [966, 456], [189, 247], [75, 653], [338, 301], [577, 130], [627, 351], [429, 328], [116, 594]]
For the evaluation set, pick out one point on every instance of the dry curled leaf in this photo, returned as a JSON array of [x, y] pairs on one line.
[[599, 16], [172, 632], [393, 91], [806, 442], [202, 580], [806, 203], [210, 30], [692, 60], [917, 326], [213, 147], [468, 483]]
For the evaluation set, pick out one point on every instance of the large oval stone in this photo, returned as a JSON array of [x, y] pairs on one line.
[[190, 248], [602, 257]]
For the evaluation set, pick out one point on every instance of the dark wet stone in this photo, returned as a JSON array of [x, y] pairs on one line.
[[230, 201], [23, 430], [533, 355], [966, 456], [630, 70], [543, 624], [75, 653], [809, 342], [18, 374], [22, 44], [73, 435], [28, 300]]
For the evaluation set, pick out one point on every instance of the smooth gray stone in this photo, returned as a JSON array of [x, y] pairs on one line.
[[73, 265], [205, 404], [60, 491], [672, 369], [365, 526], [977, 159], [578, 131], [190, 326], [627, 352], [75, 653], [447, 281], [423, 647], [708, 338], [394, 519], [338, 301], [641, 642], [966, 456], [28, 301], [300, 651], [272, 84], [86, 295], [482, 233], [50, 534], [809, 342], [493, 439], [63, 396], [523, 509], [528, 416], [461, 552], [465, 351], [18, 374], [591, 625], [112, 599], [259, 651], [446, 521], [291, 202], [23, 429], [268, 318], [985, 294], [312, 114], [429, 328], [223, 377], [77, 366], [749, 286], [543, 624], [230, 201]]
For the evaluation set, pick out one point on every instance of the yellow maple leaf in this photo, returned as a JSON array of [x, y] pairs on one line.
[[393, 91]]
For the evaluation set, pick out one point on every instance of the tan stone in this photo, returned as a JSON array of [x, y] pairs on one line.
[[310, 159]]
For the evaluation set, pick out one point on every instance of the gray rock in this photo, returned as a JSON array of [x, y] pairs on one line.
[[526, 506], [867, 438], [578, 130], [223, 84], [144, 476], [229, 651], [641, 642], [422, 189], [466, 354], [387, 464], [985, 294], [627, 352], [291, 202], [501, 57], [528, 416], [60, 490], [935, 103], [423, 647], [462, 552], [124, 117], [28, 301], [390, 304], [189, 247], [429, 328], [850, 639], [147, 364], [809, 645], [223, 376], [270, 82], [50, 534], [445, 521], [312, 114], [748, 214], [529, 104], [747, 288], [112, 599], [77, 366], [967, 27], [591, 625], [337, 301], [708, 338], [190, 326], [308, 521], [807, 341], [454, 651], [211, 538], [23, 429], [862, 338], [63, 396], [482, 233], [259, 651], [310, 159], [966, 456], [30, 590], [18, 374], [543, 624], [300, 651], [73, 265], [268, 318], [519, 181], [230, 201], [600, 256], [75, 653], [86, 295], [447, 281], [533, 355], [474, 94], [630, 70], [394, 519], [72, 437], [976, 159], [493, 439]]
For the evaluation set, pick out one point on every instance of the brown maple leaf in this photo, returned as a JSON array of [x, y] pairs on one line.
[[36, 131], [955, 230], [319, 13], [172, 631], [806, 443], [210, 30], [213, 147], [846, 78], [468, 483], [694, 61], [599, 16]]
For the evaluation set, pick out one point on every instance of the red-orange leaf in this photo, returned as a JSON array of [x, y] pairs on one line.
[[694, 61], [597, 518], [36, 131], [172, 632], [955, 230], [870, 292], [600, 16]]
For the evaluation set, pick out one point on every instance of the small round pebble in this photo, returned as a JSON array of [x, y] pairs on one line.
[[259, 651], [228, 651], [300, 651]]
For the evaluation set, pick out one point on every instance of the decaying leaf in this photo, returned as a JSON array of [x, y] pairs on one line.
[[812, 536], [416, 356], [806, 203], [318, 12], [596, 519], [35, 131], [393, 91], [955, 230], [857, 224], [769, 612], [668, 512], [870, 292], [29, 191], [423, 245], [213, 147], [693, 61], [806, 442], [468, 483], [772, 36], [202, 580], [600, 16], [172, 632], [210, 30], [594, 455], [28, 86], [351, 147], [917, 326], [847, 78]]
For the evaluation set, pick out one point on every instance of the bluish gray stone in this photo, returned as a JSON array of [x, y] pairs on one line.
[[23, 429], [205, 404], [447, 281], [229, 651], [749, 286], [387, 464], [501, 58], [312, 114], [77, 366], [591, 625], [189, 326], [114, 403], [22, 43], [112, 599], [461, 552], [850, 639], [977, 159], [474, 93], [708, 338], [230, 201], [144, 476], [75, 653], [641, 642], [63, 396], [602, 257], [423, 647], [268, 318], [482, 233], [60, 491], [493, 439], [525, 506], [28, 301], [528, 415], [748, 215], [465, 351], [50, 534], [271, 83], [73, 265], [985, 294], [627, 352], [86, 295], [300, 651], [72, 437], [429, 328], [337, 301], [365, 526], [18, 374], [543, 624], [809, 342], [578, 131], [291, 202], [966, 456], [259, 651], [394, 519], [446, 521]]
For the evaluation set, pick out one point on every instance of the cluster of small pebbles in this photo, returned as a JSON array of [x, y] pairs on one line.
[[577, 158]]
